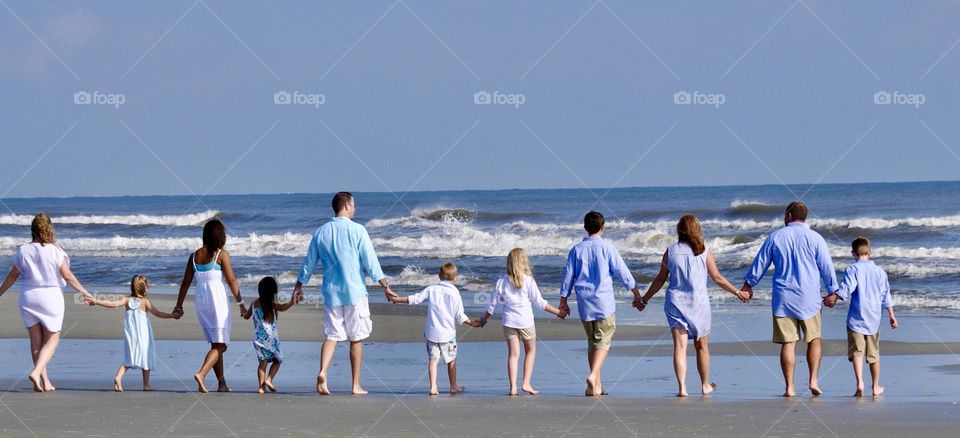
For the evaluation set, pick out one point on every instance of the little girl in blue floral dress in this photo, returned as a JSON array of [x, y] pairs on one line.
[[266, 338]]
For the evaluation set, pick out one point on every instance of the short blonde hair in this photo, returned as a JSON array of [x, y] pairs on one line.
[[42, 229], [448, 271], [138, 286], [518, 267]]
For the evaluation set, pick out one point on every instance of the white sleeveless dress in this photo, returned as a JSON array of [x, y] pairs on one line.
[[687, 305], [41, 300], [213, 308], [138, 348]]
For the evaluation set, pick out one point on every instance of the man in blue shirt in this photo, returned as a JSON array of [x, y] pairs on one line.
[[591, 266], [344, 250], [868, 290], [801, 260]]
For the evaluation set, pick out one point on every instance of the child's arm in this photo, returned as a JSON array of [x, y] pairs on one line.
[[414, 299], [655, 286], [247, 312], [398, 299], [536, 297], [110, 304], [284, 306], [156, 312]]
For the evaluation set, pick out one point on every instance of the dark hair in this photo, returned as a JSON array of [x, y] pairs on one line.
[[214, 236], [267, 289], [797, 210], [690, 232], [861, 246], [593, 222], [340, 201]]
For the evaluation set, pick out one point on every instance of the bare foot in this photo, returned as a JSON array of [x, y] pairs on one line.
[[201, 388], [117, 387], [789, 393], [877, 390], [512, 392], [682, 393], [433, 391], [815, 390], [147, 389], [269, 384], [591, 388], [222, 386], [36, 383], [858, 392], [457, 389], [530, 390], [709, 389], [48, 386], [359, 391], [261, 390], [322, 385]]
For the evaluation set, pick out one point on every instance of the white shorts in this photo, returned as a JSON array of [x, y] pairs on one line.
[[445, 350], [348, 323]]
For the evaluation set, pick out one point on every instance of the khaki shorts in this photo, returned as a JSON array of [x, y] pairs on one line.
[[859, 343], [524, 334], [600, 332], [787, 329], [445, 350]]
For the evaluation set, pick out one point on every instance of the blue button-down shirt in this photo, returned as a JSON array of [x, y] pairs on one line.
[[591, 266], [802, 260], [866, 286], [345, 251]]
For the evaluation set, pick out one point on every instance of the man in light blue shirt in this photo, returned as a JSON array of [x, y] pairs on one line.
[[591, 266], [868, 290], [801, 260], [344, 250]]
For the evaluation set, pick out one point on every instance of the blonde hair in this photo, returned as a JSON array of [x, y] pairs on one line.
[[41, 229], [448, 271], [518, 267], [138, 286]]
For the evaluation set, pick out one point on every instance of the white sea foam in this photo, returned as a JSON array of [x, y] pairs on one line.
[[184, 220]]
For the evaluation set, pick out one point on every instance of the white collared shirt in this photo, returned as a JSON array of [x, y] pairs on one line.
[[517, 303], [444, 311]]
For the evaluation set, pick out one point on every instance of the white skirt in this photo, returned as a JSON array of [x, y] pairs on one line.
[[42, 305]]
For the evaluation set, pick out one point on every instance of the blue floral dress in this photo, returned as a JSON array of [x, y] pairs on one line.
[[266, 338]]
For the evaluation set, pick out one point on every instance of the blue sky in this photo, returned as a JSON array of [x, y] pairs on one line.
[[598, 80]]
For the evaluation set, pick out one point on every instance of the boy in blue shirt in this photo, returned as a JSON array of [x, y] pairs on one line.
[[866, 286]]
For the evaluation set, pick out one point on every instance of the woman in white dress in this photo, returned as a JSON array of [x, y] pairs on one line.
[[46, 271], [210, 266]]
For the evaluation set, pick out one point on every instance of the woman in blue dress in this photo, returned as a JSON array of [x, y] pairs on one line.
[[687, 264]]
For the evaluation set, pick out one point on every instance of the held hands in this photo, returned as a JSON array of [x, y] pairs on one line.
[[830, 300], [746, 293], [390, 294], [564, 309]]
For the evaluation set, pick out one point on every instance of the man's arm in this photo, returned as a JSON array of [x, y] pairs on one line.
[[566, 285], [619, 268], [825, 265], [370, 264]]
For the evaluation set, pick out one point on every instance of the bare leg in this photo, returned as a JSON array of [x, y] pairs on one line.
[[680, 359], [594, 384], [814, 353], [513, 357], [50, 342], [209, 362], [788, 361], [146, 380], [36, 343], [118, 379], [875, 376], [529, 357], [261, 376], [218, 370], [452, 373], [703, 365], [432, 375], [274, 369], [857, 362], [356, 362], [326, 356]]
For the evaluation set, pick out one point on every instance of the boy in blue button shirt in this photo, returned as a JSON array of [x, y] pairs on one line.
[[866, 286]]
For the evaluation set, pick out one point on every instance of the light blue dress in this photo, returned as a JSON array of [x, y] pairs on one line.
[[266, 337], [688, 302], [138, 348]]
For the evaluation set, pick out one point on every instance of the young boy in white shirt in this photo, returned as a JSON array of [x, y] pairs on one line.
[[865, 285], [444, 313]]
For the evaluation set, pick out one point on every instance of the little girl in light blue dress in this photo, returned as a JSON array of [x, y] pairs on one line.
[[138, 347], [266, 337]]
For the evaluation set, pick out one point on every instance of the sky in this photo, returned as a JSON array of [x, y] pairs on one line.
[[389, 95]]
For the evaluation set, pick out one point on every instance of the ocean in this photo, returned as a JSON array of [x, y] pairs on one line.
[[915, 229]]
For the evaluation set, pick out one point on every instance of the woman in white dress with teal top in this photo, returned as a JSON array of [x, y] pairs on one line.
[[210, 266], [45, 269], [687, 264]]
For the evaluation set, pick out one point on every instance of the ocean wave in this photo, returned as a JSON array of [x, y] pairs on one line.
[[410, 275], [184, 220], [754, 208], [251, 245]]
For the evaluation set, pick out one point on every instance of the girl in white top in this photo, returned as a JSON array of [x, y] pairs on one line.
[[46, 270], [138, 348], [518, 292]]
